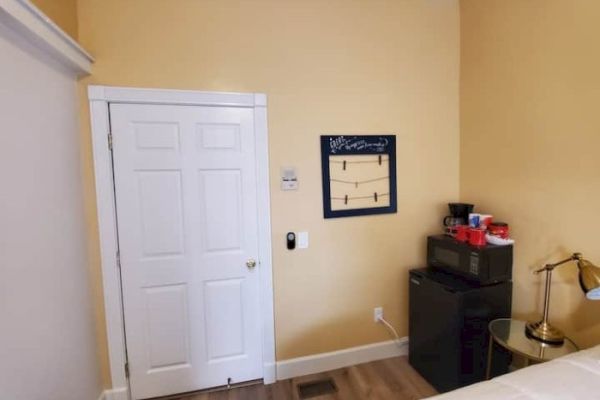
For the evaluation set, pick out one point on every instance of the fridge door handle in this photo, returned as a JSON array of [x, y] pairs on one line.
[[415, 280]]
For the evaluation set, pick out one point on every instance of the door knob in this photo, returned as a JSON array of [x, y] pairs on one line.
[[251, 263]]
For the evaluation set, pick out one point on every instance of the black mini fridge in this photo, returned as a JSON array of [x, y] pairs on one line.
[[448, 327]]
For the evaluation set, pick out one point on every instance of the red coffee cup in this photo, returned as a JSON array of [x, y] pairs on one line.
[[462, 233], [477, 237]]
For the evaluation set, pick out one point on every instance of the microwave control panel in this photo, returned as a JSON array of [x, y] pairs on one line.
[[474, 263]]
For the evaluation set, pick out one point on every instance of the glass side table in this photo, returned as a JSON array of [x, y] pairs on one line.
[[510, 334]]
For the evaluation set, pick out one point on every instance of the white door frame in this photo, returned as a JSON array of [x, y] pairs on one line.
[[100, 97]]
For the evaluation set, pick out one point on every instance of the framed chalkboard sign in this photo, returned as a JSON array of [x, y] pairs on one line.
[[359, 175]]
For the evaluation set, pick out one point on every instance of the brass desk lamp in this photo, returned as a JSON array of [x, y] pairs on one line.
[[589, 279]]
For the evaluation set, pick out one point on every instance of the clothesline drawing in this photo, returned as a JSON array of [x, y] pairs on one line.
[[375, 196], [379, 160], [356, 183], [359, 175]]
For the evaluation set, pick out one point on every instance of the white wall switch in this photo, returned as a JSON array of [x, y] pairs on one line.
[[289, 179], [377, 314], [302, 238]]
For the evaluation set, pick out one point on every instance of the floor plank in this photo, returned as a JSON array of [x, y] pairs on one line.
[[389, 379]]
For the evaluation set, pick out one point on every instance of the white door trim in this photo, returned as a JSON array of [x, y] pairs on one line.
[[100, 97]]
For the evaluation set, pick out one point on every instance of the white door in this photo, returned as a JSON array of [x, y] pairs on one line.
[[185, 185]]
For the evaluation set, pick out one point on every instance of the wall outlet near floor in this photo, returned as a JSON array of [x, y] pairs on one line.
[[377, 314]]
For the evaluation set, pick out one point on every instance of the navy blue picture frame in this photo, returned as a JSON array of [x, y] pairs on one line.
[[358, 145]]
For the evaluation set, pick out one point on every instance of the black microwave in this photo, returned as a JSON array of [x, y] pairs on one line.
[[486, 264]]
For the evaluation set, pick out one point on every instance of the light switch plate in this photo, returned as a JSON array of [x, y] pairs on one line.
[[302, 240], [289, 179]]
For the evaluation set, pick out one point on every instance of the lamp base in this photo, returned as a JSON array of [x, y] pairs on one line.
[[544, 332]]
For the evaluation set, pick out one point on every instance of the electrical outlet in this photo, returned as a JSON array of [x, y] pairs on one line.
[[377, 314]]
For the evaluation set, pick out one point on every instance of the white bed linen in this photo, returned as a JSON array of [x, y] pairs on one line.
[[573, 377]]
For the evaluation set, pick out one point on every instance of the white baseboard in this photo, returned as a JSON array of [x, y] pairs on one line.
[[115, 394], [269, 372], [342, 358], [312, 364]]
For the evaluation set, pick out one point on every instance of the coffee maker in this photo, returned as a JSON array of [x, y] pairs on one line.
[[459, 214]]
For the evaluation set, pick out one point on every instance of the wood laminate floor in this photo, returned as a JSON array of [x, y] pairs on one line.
[[387, 379]]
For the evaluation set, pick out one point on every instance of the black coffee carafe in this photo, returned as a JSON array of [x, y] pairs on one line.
[[459, 214]]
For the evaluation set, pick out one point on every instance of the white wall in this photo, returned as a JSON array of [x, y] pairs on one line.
[[47, 344]]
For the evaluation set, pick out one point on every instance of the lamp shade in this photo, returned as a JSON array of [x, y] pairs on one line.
[[589, 279]]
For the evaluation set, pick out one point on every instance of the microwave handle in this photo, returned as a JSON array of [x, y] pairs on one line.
[[416, 279]]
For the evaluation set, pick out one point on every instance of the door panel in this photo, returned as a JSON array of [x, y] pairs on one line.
[[156, 136], [218, 136], [168, 331], [186, 207], [220, 192], [159, 201], [225, 317]]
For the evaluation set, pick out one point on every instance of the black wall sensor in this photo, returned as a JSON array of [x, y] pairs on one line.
[[291, 240]]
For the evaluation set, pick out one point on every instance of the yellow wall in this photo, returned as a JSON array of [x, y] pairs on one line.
[[62, 12], [344, 66], [530, 137]]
